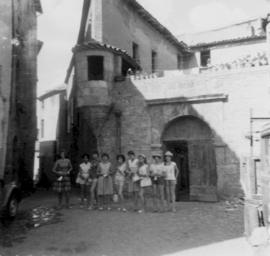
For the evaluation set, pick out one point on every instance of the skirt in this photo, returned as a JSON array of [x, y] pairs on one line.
[[62, 186], [105, 186], [133, 186]]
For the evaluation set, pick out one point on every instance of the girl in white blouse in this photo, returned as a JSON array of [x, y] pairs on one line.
[[171, 170]]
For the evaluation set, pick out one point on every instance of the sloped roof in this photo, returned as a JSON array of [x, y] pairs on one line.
[[38, 6], [56, 90], [244, 31], [144, 14], [93, 44]]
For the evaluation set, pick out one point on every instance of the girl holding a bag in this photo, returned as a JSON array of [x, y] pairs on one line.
[[62, 185], [145, 181]]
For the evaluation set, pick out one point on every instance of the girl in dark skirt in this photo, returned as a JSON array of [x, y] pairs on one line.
[[105, 182], [62, 186]]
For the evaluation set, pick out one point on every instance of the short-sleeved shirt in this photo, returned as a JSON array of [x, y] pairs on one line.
[[157, 169], [170, 171], [85, 169], [133, 165], [94, 169], [120, 172], [105, 168]]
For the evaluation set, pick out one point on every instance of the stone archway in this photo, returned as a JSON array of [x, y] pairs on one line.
[[190, 139]]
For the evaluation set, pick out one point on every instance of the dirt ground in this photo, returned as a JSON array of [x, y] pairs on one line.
[[196, 229]]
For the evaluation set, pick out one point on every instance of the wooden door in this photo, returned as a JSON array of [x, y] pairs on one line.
[[203, 176]]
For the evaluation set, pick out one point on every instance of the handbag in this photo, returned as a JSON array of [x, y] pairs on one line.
[[146, 182], [135, 178]]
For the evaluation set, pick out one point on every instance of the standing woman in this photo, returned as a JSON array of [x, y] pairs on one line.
[[62, 186], [83, 179], [119, 179], [133, 179], [94, 180], [145, 181], [158, 174], [105, 183], [171, 170]]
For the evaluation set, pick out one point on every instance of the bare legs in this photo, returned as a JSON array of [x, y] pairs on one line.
[[170, 193], [159, 197], [60, 196], [120, 187], [93, 192]]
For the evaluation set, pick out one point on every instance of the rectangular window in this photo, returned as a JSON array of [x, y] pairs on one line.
[[154, 61], [42, 128], [179, 61], [95, 68], [205, 58], [135, 52]]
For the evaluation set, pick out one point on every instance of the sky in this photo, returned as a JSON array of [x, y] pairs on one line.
[[59, 26]]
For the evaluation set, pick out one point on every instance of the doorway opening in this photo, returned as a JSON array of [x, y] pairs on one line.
[[180, 152]]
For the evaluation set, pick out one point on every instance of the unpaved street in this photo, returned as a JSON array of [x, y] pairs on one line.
[[196, 229]]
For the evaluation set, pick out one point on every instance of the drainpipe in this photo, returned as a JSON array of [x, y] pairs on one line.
[[118, 115]]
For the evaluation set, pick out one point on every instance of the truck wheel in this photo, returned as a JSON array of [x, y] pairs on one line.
[[12, 207]]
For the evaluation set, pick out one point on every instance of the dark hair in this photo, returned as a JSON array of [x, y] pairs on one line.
[[131, 153], [95, 153], [122, 157], [85, 155], [105, 155]]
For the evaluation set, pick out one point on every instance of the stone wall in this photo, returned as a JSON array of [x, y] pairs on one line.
[[229, 120], [22, 120], [5, 75]]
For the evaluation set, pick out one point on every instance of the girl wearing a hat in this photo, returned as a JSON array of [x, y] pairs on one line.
[[171, 170], [145, 181], [158, 180]]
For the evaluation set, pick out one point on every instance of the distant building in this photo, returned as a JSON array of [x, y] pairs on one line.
[[235, 46], [51, 126], [19, 49], [132, 85]]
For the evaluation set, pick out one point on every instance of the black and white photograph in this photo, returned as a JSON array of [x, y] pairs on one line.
[[134, 127]]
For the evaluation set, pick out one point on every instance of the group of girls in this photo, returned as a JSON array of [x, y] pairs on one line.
[[100, 182]]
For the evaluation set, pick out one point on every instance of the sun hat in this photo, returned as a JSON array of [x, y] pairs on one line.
[[157, 155], [142, 155], [169, 153]]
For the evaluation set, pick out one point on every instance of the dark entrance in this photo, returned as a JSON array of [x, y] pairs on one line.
[[180, 152], [190, 140]]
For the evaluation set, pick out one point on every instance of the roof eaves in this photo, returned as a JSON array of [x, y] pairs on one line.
[[157, 25], [38, 6], [95, 45], [228, 41]]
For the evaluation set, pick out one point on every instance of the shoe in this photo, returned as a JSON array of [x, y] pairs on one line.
[[100, 208], [141, 211], [119, 209], [124, 210], [109, 208]]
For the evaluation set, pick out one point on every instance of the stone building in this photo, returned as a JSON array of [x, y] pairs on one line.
[[19, 48], [138, 88]]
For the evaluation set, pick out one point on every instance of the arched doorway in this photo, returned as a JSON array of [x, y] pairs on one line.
[[190, 140]]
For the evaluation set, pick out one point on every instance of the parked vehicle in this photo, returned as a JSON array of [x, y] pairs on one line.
[[10, 197]]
